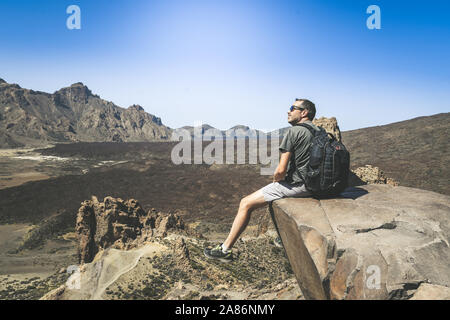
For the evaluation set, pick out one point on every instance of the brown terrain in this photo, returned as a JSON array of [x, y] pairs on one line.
[[42, 189], [39, 216], [414, 152]]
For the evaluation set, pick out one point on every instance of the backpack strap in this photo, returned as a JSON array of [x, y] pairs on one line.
[[307, 126]]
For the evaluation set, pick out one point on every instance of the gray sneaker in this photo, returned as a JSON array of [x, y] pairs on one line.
[[217, 254], [277, 242]]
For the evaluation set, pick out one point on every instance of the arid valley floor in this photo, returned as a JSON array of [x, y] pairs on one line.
[[41, 191]]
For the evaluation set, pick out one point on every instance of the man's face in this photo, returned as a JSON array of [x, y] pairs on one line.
[[296, 115]]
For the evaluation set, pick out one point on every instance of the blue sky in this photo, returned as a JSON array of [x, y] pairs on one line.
[[226, 62]]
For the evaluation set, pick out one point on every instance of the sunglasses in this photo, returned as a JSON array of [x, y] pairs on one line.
[[296, 108]]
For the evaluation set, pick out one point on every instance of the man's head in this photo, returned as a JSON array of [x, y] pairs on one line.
[[301, 110]]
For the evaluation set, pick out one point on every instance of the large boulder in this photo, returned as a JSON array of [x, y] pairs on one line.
[[373, 242], [122, 224]]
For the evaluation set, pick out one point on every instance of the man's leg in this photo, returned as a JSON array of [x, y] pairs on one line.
[[247, 205], [256, 200]]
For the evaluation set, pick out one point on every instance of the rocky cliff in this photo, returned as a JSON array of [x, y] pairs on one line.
[[127, 253], [120, 224], [71, 114], [373, 242]]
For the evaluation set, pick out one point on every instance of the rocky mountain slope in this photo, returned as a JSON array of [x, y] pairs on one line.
[[414, 152], [71, 114]]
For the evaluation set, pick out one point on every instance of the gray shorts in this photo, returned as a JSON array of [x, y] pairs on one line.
[[282, 189]]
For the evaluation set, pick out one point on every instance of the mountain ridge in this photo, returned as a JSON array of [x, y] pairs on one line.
[[71, 114]]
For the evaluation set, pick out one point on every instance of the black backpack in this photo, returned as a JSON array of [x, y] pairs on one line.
[[329, 164]]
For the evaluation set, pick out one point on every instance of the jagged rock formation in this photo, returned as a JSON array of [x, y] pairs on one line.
[[74, 114], [373, 242], [156, 256], [181, 254], [330, 125], [121, 224], [373, 175]]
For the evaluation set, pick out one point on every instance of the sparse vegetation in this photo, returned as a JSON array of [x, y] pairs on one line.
[[32, 289]]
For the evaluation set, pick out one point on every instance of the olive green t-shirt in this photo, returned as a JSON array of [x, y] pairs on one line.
[[297, 141]]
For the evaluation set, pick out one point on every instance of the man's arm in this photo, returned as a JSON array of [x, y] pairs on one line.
[[280, 171]]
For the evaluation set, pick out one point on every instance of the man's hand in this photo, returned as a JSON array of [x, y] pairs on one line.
[[278, 176], [280, 171]]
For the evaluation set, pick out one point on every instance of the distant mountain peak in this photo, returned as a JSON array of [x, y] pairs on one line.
[[78, 84], [240, 126], [136, 107], [77, 89]]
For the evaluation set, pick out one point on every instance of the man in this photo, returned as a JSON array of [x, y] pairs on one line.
[[287, 178]]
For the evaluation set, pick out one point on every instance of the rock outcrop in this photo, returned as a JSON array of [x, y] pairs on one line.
[[330, 125], [373, 175], [155, 256], [373, 242], [181, 254], [369, 175], [431, 292], [71, 114], [121, 224]]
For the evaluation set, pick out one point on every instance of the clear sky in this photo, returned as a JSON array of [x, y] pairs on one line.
[[227, 62]]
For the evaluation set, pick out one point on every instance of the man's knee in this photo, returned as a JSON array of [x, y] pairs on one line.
[[245, 203], [248, 203]]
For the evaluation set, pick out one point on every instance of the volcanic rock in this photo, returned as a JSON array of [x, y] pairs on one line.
[[372, 175], [122, 224], [428, 291], [373, 242], [71, 114], [181, 254], [330, 125]]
